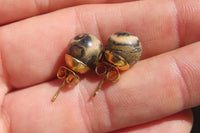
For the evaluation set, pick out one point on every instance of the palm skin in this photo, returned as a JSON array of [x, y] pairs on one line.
[[152, 96]]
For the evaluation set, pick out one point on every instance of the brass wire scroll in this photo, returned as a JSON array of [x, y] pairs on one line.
[[110, 71], [69, 77]]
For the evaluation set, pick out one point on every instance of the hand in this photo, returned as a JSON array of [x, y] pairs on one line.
[[153, 96]]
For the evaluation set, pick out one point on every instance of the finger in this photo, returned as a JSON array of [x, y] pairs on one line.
[[67, 112], [37, 45], [12, 11], [178, 123], [153, 89]]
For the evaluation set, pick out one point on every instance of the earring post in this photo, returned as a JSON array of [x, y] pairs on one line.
[[58, 91], [100, 85]]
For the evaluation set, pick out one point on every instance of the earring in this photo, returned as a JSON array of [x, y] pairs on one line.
[[122, 50], [84, 53]]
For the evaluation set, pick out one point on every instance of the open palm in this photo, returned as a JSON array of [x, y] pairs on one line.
[[152, 96]]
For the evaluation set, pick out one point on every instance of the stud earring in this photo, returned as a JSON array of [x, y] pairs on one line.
[[84, 53], [122, 50]]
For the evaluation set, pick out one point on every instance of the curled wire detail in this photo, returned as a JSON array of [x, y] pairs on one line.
[[111, 71], [67, 74]]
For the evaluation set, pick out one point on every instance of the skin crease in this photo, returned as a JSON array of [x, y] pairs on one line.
[[28, 67]]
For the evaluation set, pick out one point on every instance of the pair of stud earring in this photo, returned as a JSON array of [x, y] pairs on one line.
[[85, 52]]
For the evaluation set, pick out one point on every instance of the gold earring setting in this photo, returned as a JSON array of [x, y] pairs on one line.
[[122, 50], [84, 53]]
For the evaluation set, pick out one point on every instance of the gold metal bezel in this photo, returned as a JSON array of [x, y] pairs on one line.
[[116, 60], [76, 65]]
